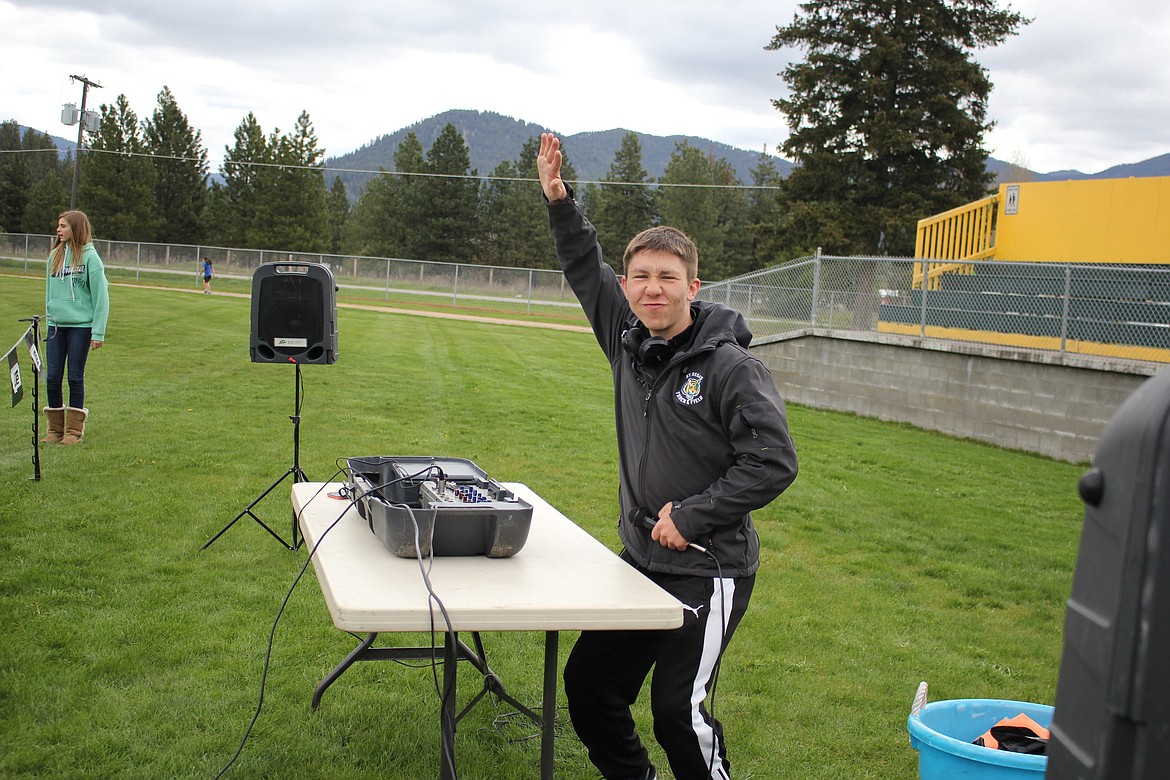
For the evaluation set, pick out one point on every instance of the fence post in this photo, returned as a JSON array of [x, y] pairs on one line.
[[922, 308], [387, 276], [530, 273], [816, 290], [455, 287], [1065, 307], [138, 262]]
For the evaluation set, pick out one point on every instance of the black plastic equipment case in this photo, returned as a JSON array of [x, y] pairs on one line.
[[1112, 713], [393, 498]]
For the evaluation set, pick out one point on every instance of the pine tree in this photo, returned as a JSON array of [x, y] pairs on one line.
[[292, 210], [707, 205], [232, 205], [515, 228], [448, 199], [116, 189], [180, 164], [338, 208], [623, 205], [383, 219], [46, 200], [48, 175], [763, 213], [43, 158], [887, 115], [14, 177]]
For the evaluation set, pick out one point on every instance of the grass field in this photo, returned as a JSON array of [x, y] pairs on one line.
[[898, 555]]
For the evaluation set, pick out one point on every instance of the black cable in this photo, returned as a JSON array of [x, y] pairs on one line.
[[432, 599], [272, 636], [424, 568], [272, 633]]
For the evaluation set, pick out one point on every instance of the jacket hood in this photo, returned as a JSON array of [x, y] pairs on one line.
[[717, 322]]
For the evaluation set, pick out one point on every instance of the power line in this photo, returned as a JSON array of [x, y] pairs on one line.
[[383, 172]]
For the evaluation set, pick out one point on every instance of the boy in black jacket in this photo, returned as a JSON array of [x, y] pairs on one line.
[[702, 440]]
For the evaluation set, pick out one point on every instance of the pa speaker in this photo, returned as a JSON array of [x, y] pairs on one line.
[[294, 314], [1112, 715]]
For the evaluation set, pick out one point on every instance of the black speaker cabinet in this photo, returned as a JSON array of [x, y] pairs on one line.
[[1111, 718], [294, 314]]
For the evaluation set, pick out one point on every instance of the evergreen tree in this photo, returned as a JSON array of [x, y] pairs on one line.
[[515, 228], [365, 231], [50, 177], [447, 200], [763, 213], [292, 207], [383, 220], [404, 208], [46, 200], [117, 178], [42, 158], [733, 219], [706, 205], [180, 164], [498, 240], [14, 177], [338, 208], [233, 205], [623, 205], [887, 115]]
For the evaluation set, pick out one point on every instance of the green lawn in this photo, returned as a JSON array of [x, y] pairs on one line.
[[898, 556]]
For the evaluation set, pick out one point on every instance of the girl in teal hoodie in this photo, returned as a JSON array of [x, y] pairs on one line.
[[77, 305]]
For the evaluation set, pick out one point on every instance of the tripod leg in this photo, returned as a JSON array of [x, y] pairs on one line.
[[294, 471], [248, 511]]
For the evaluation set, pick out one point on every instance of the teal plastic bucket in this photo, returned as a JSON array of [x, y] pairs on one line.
[[943, 731]]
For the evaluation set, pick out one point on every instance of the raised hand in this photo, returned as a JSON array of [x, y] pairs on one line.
[[548, 166]]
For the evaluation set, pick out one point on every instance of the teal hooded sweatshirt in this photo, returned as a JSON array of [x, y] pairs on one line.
[[78, 297]]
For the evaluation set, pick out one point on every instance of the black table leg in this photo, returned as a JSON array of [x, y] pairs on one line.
[[548, 710], [447, 711], [355, 655]]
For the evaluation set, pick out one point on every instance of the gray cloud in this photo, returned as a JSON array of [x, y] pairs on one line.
[[1082, 87]]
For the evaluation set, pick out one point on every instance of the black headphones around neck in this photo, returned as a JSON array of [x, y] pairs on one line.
[[647, 350]]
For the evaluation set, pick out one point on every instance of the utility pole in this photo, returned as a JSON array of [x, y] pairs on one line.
[[84, 122]]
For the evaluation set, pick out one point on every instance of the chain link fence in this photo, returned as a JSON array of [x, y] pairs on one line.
[[1120, 311], [524, 288]]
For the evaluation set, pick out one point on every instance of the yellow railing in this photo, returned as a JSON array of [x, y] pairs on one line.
[[963, 233]]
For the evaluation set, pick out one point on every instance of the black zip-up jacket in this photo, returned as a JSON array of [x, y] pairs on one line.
[[707, 430]]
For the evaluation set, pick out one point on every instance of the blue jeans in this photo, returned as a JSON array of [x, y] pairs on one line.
[[67, 345]]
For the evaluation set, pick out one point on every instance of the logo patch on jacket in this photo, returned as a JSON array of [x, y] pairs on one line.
[[691, 391]]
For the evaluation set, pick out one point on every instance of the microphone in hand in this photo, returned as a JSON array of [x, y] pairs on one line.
[[642, 516]]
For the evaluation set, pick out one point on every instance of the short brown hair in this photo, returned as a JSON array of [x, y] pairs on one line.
[[665, 239]]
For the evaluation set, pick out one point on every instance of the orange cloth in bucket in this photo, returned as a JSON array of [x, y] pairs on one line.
[[1020, 725]]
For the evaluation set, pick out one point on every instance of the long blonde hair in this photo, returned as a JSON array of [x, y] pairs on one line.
[[81, 233]]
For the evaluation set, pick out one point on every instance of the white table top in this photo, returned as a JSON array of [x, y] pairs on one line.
[[562, 579]]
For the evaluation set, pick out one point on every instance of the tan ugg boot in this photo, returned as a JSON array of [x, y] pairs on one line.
[[56, 419], [74, 425]]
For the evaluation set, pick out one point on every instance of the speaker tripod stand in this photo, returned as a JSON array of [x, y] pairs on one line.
[[294, 471]]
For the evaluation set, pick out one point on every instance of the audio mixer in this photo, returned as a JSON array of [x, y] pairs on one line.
[[450, 505]]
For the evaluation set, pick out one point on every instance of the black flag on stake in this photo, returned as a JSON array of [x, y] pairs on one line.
[[14, 376], [14, 365], [30, 339]]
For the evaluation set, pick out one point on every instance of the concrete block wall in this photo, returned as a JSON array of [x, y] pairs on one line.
[[1048, 403]]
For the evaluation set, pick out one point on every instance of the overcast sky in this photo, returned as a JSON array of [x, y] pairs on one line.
[[1086, 86]]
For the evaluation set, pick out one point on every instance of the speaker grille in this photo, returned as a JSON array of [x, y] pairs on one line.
[[293, 314]]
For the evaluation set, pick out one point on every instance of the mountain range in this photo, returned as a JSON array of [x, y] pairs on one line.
[[492, 138]]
